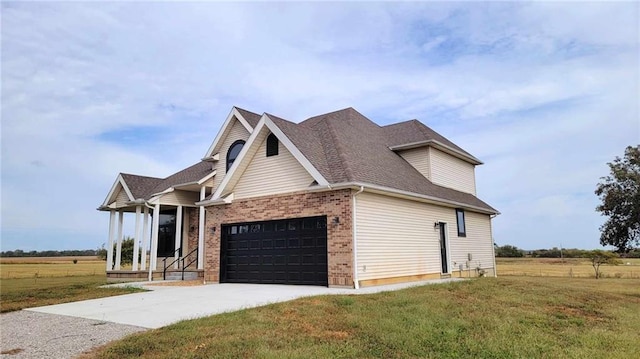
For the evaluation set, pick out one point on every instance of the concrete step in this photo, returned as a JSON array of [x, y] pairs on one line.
[[178, 276]]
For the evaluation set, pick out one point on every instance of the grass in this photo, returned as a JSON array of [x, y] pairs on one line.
[[20, 293], [506, 317], [37, 281], [569, 267]]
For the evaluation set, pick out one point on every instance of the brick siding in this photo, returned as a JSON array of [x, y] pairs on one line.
[[331, 204]]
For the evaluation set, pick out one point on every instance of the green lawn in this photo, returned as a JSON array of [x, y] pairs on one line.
[[19, 293], [509, 317]]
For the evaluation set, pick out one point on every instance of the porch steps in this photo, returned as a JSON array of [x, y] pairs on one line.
[[178, 275]]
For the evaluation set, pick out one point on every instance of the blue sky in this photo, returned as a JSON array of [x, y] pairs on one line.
[[544, 93]]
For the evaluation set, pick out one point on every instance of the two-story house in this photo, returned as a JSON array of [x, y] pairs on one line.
[[335, 200]]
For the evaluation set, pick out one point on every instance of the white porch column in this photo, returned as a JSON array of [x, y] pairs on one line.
[[201, 230], [178, 236], [145, 239], [119, 244], [153, 255], [136, 239], [112, 232]]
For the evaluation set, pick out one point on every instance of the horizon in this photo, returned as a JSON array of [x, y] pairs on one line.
[[545, 94]]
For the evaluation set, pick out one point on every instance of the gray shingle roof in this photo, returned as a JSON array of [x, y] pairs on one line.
[[344, 146], [140, 186], [251, 117], [352, 148], [144, 187]]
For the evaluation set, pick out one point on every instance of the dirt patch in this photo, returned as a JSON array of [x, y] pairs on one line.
[[12, 351]]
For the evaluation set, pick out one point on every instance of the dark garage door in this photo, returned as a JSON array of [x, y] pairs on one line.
[[290, 251]]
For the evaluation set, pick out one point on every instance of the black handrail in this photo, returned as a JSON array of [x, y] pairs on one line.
[[190, 263], [164, 261]]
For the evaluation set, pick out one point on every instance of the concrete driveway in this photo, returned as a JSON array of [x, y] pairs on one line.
[[164, 305]]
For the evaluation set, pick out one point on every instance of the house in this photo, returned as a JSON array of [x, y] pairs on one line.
[[335, 200]]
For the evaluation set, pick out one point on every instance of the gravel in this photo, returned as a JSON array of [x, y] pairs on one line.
[[26, 334]]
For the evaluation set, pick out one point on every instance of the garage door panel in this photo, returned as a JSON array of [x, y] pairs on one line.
[[292, 251]]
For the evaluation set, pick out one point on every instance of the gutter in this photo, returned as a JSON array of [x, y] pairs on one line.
[[400, 193], [356, 283]]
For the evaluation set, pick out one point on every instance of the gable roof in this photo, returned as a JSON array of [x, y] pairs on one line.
[[338, 148], [346, 147], [140, 186]]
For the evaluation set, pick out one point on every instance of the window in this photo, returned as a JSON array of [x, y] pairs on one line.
[[233, 152], [272, 145], [461, 225]]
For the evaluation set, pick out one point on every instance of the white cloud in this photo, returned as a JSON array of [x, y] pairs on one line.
[[546, 93]]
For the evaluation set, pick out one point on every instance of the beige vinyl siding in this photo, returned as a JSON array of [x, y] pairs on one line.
[[396, 237], [478, 242], [272, 175], [452, 172], [179, 197], [237, 132], [419, 159], [121, 197]]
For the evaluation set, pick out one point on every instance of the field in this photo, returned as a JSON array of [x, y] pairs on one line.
[[568, 267], [35, 281], [505, 317], [39, 267]]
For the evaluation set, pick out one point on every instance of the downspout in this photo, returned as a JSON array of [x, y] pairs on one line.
[[356, 284], [493, 247]]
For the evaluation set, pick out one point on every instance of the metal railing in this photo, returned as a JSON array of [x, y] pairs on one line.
[[190, 263], [165, 265]]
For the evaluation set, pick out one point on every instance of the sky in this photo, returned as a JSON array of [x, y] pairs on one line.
[[544, 93]]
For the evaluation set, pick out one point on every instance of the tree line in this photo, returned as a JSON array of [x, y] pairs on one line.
[[51, 253], [510, 251]]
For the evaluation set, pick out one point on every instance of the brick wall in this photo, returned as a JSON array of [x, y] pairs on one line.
[[331, 204], [192, 237]]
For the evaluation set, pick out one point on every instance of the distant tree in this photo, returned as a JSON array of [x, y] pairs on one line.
[[599, 257], [508, 251], [620, 196], [126, 251]]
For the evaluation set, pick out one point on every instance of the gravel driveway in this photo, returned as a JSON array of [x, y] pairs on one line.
[[26, 334]]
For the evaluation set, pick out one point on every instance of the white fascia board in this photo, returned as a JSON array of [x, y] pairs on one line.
[[236, 164], [295, 152], [392, 192], [438, 145], [234, 113], [119, 180], [265, 121], [206, 178], [168, 190]]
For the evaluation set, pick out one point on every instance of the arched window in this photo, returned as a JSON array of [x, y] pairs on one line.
[[233, 152], [272, 145]]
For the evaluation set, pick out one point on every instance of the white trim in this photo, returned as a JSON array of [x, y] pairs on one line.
[[265, 121], [145, 238], [234, 113], [356, 283], [201, 224], [446, 247], [112, 232], [119, 240], [136, 239], [153, 254], [439, 145], [392, 192], [119, 180], [178, 237], [207, 177]]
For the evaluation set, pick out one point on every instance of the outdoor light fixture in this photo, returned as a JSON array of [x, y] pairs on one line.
[[436, 225], [336, 220], [213, 230]]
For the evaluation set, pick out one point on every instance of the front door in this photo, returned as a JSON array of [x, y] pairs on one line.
[[443, 247]]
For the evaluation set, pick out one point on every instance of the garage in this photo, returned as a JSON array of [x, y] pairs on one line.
[[289, 251]]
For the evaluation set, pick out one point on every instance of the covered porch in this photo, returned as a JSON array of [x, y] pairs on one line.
[[168, 233]]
